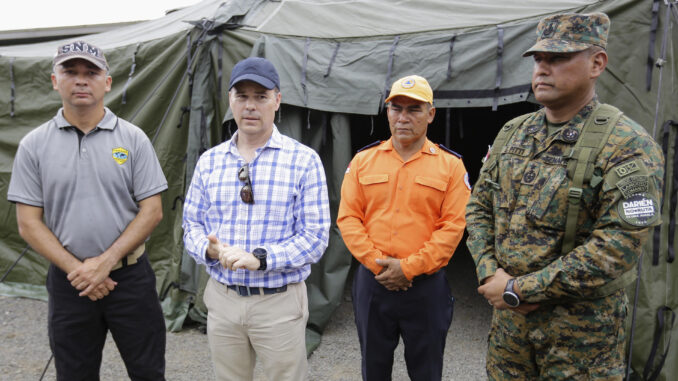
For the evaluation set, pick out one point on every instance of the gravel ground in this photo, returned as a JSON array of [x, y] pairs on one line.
[[24, 347]]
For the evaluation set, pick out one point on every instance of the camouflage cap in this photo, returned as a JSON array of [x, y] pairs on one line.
[[570, 32]]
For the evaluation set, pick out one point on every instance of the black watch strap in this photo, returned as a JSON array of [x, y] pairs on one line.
[[261, 254]]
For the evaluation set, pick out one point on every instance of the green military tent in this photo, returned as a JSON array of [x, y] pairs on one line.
[[336, 60]]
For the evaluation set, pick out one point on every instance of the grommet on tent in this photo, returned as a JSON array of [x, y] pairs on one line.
[[500, 55], [131, 73], [11, 87], [449, 59]]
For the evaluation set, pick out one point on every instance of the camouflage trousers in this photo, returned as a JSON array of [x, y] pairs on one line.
[[582, 340]]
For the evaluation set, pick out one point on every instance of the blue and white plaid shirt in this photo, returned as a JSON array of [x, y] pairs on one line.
[[290, 217]]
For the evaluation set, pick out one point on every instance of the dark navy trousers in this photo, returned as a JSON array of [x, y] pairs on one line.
[[78, 326], [421, 315]]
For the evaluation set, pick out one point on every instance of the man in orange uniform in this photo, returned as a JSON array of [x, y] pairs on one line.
[[402, 216]]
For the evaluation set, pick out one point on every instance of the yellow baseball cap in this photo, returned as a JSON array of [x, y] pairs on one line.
[[412, 86]]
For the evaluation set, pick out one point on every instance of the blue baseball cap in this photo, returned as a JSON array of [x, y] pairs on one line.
[[255, 69]]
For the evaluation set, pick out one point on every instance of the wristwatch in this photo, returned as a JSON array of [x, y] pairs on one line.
[[260, 254], [510, 297]]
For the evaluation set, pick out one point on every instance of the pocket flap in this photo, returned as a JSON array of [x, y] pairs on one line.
[[431, 182], [373, 179]]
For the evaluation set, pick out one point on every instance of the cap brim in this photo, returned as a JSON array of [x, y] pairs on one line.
[[408, 95], [81, 56], [556, 46], [265, 82]]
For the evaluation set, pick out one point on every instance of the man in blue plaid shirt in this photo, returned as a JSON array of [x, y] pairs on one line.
[[257, 216]]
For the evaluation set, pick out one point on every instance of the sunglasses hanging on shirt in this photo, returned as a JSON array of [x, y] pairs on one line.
[[246, 194]]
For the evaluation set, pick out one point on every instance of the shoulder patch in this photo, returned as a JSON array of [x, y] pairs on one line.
[[633, 185], [442, 147], [627, 169], [373, 144], [466, 181], [640, 210]]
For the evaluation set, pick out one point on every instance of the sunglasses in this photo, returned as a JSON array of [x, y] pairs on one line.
[[246, 194]]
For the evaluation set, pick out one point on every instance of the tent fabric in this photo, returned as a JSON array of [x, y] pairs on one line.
[[336, 61], [340, 19]]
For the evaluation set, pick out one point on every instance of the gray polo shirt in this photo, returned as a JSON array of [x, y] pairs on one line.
[[88, 185]]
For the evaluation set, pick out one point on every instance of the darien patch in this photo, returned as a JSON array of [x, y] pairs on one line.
[[638, 210], [120, 155]]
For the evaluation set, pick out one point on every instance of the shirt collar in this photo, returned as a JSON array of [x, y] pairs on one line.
[[274, 142], [428, 147], [108, 122]]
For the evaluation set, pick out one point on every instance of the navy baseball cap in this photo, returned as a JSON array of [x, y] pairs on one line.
[[255, 69]]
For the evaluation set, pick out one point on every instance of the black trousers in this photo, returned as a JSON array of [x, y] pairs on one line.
[[77, 326], [421, 315]]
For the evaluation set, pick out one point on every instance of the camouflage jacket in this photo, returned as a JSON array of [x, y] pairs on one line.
[[518, 208]]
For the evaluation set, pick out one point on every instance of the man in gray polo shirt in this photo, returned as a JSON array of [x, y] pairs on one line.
[[87, 190]]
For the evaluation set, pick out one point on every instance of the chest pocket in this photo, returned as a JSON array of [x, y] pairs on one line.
[[429, 193], [547, 200], [376, 189]]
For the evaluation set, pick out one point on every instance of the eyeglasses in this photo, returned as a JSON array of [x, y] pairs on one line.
[[246, 194]]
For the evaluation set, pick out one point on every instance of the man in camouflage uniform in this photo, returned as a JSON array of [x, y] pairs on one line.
[[550, 320]]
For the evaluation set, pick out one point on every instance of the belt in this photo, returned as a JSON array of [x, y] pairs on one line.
[[247, 291], [131, 258]]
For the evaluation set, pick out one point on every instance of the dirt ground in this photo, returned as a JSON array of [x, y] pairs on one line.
[[24, 347]]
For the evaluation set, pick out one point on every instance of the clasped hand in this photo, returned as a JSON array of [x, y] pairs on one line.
[[493, 291], [231, 257], [91, 277], [392, 276]]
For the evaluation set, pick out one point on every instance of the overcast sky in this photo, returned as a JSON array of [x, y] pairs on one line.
[[31, 14]]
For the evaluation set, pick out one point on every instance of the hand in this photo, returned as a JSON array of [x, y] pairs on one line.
[[391, 276], [214, 248], [102, 289], [89, 274], [493, 290], [234, 258]]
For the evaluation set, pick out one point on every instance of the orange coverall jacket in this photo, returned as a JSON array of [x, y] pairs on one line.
[[413, 211]]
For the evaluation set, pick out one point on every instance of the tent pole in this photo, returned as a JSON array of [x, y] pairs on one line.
[[14, 264], [46, 366]]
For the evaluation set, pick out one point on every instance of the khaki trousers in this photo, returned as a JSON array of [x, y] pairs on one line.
[[270, 327]]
